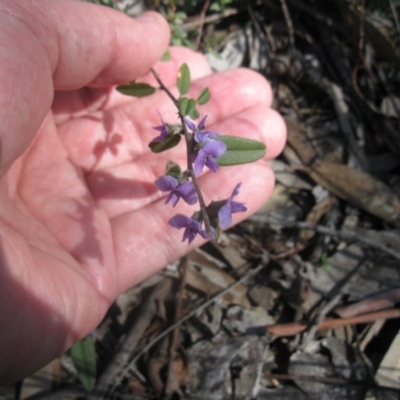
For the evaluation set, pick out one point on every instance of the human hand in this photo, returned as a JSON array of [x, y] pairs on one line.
[[81, 220]]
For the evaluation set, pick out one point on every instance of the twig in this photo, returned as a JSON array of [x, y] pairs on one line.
[[379, 301], [294, 328], [169, 386], [201, 22], [289, 22], [187, 26], [361, 38], [186, 317], [362, 62], [163, 87], [396, 18], [342, 234]]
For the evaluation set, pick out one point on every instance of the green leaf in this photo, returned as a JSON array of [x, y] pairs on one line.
[[173, 169], [325, 263], [166, 56], [186, 106], [183, 105], [83, 355], [194, 114], [136, 89], [168, 143], [240, 151], [204, 97], [183, 81]]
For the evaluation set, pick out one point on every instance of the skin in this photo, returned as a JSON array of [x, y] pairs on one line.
[[81, 220]]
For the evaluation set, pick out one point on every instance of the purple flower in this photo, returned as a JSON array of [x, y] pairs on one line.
[[163, 129], [226, 211], [210, 147], [207, 155], [192, 126], [200, 135], [192, 227], [186, 190]]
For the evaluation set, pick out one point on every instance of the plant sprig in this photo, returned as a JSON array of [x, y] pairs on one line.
[[204, 149]]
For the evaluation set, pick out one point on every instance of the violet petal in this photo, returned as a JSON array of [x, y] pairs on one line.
[[166, 183]]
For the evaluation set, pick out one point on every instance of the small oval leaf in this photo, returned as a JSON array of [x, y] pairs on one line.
[[83, 355], [204, 96], [183, 81], [168, 143], [136, 89], [183, 103], [194, 114], [240, 151], [186, 106]]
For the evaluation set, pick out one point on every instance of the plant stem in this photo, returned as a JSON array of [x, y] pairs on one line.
[[189, 148], [163, 87]]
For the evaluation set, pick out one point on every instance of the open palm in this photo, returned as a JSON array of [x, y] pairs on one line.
[[80, 218]]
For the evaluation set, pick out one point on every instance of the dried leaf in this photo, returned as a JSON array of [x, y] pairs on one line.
[[40, 382], [318, 366], [212, 360], [388, 371], [205, 274], [299, 142], [380, 40], [314, 216], [239, 319], [390, 106], [359, 188]]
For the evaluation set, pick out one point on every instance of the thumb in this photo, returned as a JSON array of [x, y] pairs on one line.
[[65, 45]]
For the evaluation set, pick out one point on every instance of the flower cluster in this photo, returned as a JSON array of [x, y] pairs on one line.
[[185, 190], [205, 149]]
